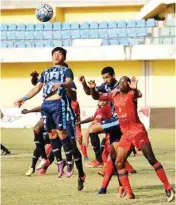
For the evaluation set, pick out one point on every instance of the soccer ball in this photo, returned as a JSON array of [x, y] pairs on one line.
[[44, 12]]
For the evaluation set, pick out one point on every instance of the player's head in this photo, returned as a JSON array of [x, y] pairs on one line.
[[108, 75], [102, 103], [123, 84], [58, 55]]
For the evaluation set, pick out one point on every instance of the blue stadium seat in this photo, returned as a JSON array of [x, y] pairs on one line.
[[94, 25], [105, 42], [38, 27], [123, 42], [20, 35], [12, 27], [142, 32], [38, 44], [122, 24], [57, 43], [84, 33], [29, 35], [75, 25], [48, 26], [131, 24], [29, 27], [38, 35], [57, 26], [93, 33], [10, 44], [48, 43], [66, 34], [103, 33], [57, 35], [65, 26], [21, 27], [3, 35], [4, 27], [3, 44], [150, 23], [133, 41], [103, 24], [140, 23], [122, 33], [20, 44], [75, 34], [11, 35], [84, 25], [114, 42], [112, 24], [29, 44], [132, 33], [112, 34], [67, 43], [48, 35]]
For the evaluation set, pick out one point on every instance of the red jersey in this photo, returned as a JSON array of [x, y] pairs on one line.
[[103, 113], [75, 107], [126, 109]]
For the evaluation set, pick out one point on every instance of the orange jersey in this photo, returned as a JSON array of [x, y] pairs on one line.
[[103, 113], [75, 107]]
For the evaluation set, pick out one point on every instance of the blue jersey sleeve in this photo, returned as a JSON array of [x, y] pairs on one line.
[[69, 74]]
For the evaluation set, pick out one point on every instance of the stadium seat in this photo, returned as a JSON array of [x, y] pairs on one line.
[[94, 25], [67, 43], [156, 41], [103, 33], [166, 41], [131, 24], [112, 24], [65, 26], [12, 27], [38, 27], [3, 44], [123, 42], [122, 33], [47, 35], [171, 22], [103, 24], [38, 35], [140, 23], [57, 43], [29, 27], [113, 42], [10, 44], [84, 33], [75, 34], [112, 34], [29, 44], [29, 35], [20, 44], [66, 34], [122, 24], [164, 32], [57, 26], [21, 27], [132, 33], [20, 35], [84, 25], [150, 23], [57, 35], [11, 35], [38, 44], [4, 27], [142, 32], [173, 31], [133, 41], [75, 25], [48, 43], [105, 42], [3, 35], [48, 26], [93, 33]]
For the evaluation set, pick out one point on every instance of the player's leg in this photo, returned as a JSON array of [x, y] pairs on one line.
[[5, 151], [149, 155]]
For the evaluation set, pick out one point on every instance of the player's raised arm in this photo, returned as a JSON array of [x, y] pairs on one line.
[[95, 94], [133, 86], [84, 84]]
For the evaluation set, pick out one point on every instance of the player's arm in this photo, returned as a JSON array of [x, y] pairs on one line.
[[87, 120], [72, 94], [84, 84], [95, 94], [133, 86], [36, 109]]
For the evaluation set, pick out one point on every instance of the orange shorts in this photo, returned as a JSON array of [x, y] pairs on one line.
[[134, 138], [78, 131]]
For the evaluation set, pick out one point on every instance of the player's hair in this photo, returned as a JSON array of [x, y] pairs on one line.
[[126, 78], [109, 70], [62, 50], [65, 64]]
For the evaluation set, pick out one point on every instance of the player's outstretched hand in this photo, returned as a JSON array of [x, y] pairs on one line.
[[82, 79], [55, 87], [133, 84], [18, 103], [24, 111], [92, 84], [34, 74]]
